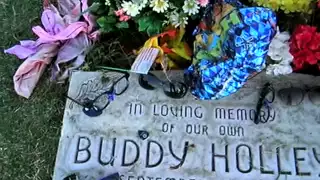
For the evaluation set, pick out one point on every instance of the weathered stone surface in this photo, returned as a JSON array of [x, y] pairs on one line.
[[189, 139]]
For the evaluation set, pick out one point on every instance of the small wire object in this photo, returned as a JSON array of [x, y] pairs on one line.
[[173, 89], [95, 107], [267, 97]]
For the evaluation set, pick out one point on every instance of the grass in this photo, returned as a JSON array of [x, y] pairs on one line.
[[29, 129]]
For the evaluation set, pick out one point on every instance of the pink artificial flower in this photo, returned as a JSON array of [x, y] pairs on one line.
[[203, 3], [120, 12], [124, 18], [65, 37]]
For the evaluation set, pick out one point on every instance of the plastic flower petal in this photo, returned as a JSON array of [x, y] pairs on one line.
[[107, 3], [191, 7], [141, 3], [130, 8], [304, 46], [203, 3], [279, 69], [159, 6], [286, 5], [178, 20], [119, 12], [279, 47], [124, 18]]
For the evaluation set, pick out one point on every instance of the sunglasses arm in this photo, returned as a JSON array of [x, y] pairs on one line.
[[75, 101]]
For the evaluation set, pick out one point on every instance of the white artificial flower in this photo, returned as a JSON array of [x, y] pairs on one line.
[[130, 8], [279, 69], [279, 50], [279, 47], [283, 36], [107, 3], [287, 57], [177, 20], [191, 7], [159, 6], [144, 3], [141, 3]]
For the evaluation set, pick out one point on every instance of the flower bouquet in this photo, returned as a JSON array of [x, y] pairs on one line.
[[220, 43], [151, 17]]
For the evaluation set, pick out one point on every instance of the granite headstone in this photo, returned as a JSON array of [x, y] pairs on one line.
[[188, 139]]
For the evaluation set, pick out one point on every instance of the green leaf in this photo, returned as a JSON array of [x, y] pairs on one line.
[[111, 19], [144, 23], [122, 25], [94, 7], [106, 21], [100, 12], [102, 21], [158, 24], [152, 30], [111, 11], [107, 29]]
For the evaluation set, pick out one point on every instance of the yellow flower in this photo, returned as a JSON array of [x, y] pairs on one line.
[[288, 6]]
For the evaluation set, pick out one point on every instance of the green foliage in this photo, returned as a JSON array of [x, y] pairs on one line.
[[122, 25], [144, 23], [107, 20], [106, 23], [29, 129], [109, 24], [103, 21], [149, 24], [98, 8]]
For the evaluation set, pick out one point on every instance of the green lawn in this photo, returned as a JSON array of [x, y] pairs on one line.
[[29, 129]]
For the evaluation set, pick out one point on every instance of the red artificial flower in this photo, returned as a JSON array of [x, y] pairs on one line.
[[318, 3], [305, 46]]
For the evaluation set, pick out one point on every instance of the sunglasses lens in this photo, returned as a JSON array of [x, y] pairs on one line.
[[121, 86], [291, 96], [102, 100], [314, 96]]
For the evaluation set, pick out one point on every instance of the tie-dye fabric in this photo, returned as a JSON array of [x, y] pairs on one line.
[[225, 58]]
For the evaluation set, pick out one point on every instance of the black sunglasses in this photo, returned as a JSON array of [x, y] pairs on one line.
[[173, 89], [267, 97], [294, 96], [95, 107]]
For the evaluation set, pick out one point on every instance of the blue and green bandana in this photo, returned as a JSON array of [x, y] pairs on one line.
[[234, 49]]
